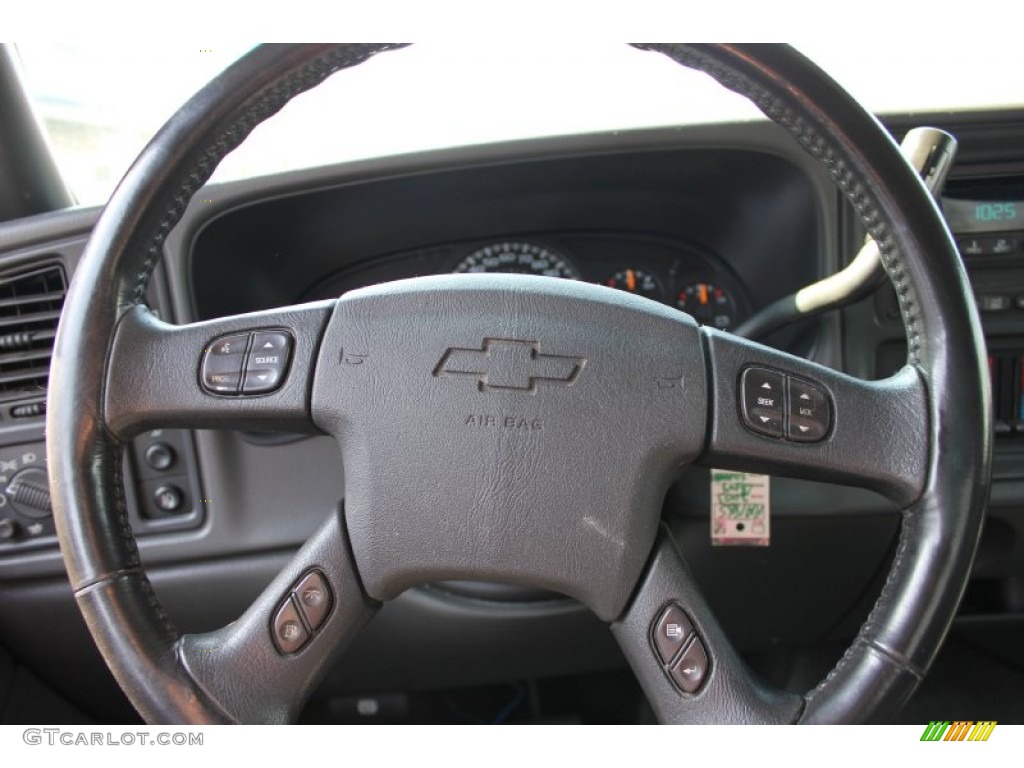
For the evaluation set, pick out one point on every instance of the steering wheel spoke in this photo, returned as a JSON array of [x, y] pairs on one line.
[[684, 661], [779, 414], [262, 667], [243, 372]]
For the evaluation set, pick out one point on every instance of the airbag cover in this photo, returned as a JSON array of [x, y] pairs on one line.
[[509, 428]]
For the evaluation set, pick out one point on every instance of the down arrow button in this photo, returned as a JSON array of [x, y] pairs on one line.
[[268, 361]]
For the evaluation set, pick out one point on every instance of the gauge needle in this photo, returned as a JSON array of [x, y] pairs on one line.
[[630, 280], [703, 294]]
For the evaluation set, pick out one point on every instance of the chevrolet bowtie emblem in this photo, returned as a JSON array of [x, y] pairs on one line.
[[510, 364]]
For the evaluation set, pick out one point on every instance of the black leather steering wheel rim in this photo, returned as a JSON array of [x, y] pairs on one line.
[[942, 483]]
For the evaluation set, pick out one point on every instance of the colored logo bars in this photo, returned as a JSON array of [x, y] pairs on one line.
[[958, 730]]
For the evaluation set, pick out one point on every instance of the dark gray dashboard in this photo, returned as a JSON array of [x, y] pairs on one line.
[[739, 207]]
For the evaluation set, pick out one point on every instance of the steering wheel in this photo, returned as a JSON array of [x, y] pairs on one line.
[[480, 423]]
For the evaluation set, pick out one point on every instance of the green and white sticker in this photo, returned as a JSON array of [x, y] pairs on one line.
[[740, 508]]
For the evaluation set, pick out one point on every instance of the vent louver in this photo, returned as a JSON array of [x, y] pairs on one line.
[[30, 305]]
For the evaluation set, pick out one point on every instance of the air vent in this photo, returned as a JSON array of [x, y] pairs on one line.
[[30, 304]]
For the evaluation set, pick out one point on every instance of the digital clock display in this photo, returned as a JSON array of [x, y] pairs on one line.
[[985, 216], [985, 212]]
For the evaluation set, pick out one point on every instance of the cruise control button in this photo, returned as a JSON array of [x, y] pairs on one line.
[[314, 598], [160, 456], [762, 393], [691, 669], [222, 364], [168, 498], [268, 361], [289, 634], [670, 632], [809, 412]]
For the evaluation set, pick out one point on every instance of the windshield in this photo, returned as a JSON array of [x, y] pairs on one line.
[[99, 113]]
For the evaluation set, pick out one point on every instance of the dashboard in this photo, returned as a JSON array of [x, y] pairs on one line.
[[716, 221]]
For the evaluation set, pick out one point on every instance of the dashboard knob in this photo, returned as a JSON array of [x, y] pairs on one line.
[[29, 493], [8, 529]]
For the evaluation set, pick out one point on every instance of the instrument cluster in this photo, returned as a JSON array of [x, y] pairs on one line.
[[682, 275]]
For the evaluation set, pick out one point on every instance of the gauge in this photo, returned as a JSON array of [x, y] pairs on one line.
[[636, 281], [709, 304], [519, 259]]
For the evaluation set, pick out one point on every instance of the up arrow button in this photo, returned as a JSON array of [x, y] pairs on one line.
[[267, 364], [762, 401], [809, 415]]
